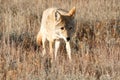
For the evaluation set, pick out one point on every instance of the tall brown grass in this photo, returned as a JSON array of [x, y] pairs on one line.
[[95, 45]]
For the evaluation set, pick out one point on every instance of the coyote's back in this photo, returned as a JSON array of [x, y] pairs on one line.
[[56, 24]]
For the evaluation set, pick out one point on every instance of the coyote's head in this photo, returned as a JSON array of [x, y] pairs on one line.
[[65, 24]]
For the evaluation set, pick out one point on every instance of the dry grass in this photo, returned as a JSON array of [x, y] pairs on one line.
[[95, 45]]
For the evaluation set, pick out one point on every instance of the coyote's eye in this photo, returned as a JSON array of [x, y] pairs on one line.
[[62, 28]]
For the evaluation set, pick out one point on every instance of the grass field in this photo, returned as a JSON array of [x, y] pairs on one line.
[[95, 45]]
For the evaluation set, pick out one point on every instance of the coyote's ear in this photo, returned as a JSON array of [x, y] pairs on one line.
[[72, 12], [57, 16]]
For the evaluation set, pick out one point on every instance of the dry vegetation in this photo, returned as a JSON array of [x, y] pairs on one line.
[[95, 45]]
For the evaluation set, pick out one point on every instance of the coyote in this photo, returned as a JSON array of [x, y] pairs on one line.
[[56, 25]]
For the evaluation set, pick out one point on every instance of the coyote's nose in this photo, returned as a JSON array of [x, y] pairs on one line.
[[68, 38]]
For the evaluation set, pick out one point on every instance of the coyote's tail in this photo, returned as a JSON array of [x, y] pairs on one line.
[[39, 39]]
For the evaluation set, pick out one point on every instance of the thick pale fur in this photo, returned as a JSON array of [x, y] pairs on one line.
[[56, 24]]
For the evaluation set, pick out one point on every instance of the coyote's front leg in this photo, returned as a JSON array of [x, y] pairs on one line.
[[68, 48], [51, 49], [57, 45], [43, 45]]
